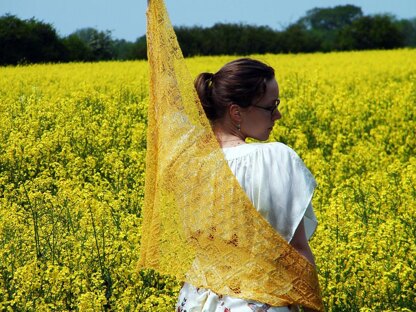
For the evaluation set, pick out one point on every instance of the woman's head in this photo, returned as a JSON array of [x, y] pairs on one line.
[[242, 82], [241, 99]]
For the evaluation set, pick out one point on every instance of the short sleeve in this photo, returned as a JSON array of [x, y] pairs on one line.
[[290, 186], [278, 184]]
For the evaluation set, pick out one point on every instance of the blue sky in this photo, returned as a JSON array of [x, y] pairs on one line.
[[126, 18]]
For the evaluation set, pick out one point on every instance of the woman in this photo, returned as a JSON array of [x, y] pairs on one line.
[[242, 101], [209, 226]]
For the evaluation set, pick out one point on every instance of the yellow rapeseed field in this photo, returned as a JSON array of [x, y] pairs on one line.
[[72, 147]]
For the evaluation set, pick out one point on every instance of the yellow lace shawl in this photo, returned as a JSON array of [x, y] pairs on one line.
[[198, 223]]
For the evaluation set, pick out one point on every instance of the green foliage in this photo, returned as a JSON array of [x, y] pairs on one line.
[[296, 38], [77, 49], [322, 29], [325, 24], [28, 41], [226, 39], [342, 27], [139, 49], [407, 30], [99, 43], [330, 19], [371, 32], [123, 50]]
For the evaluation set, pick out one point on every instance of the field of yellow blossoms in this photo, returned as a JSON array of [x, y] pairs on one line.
[[72, 147]]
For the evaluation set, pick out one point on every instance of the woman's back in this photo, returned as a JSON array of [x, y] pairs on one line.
[[280, 187]]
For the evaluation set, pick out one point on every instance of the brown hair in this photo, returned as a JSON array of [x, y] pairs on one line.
[[239, 82]]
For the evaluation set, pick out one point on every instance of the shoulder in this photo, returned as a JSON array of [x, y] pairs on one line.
[[270, 151], [285, 158], [276, 147], [277, 150]]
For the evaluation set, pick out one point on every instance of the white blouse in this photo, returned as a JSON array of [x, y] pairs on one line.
[[281, 188]]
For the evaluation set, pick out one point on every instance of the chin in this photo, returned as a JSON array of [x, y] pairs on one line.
[[262, 137]]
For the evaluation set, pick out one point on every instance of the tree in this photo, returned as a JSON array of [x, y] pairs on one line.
[[139, 49], [371, 32], [226, 39], [331, 18], [296, 38], [407, 29], [325, 23], [123, 49], [191, 40], [28, 41], [77, 49], [99, 42]]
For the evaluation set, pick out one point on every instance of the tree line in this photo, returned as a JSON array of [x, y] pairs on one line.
[[338, 28]]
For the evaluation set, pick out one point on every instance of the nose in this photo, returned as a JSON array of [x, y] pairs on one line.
[[277, 115]]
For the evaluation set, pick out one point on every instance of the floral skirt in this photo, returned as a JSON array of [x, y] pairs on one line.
[[192, 299]]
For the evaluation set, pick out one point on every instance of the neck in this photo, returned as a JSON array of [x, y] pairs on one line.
[[228, 136]]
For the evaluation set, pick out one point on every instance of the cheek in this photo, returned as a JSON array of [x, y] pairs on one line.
[[256, 123]]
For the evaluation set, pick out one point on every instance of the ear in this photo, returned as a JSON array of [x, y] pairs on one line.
[[235, 113]]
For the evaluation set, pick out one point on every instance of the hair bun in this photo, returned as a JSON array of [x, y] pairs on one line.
[[203, 84], [208, 78]]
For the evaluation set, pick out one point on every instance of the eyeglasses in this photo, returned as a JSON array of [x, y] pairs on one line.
[[271, 109]]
